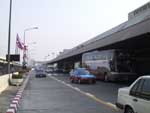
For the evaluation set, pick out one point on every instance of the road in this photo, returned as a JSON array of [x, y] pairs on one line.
[[55, 94]]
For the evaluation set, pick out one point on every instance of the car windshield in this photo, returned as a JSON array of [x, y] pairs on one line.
[[81, 71], [39, 70]]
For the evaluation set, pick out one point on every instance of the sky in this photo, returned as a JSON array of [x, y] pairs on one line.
[[62, 24]]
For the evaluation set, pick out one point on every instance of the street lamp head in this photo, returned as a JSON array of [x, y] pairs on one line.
[[31, 43], [28, 29]]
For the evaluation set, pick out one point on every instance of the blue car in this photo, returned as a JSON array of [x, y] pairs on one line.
[[81, 75], [40, 73]]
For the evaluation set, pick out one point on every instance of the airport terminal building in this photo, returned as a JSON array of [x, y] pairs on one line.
[[134, 34]]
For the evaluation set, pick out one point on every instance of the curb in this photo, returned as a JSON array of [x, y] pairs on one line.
[[13, 107]]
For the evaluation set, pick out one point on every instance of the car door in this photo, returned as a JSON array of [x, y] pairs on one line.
[[75, 75], [134, 94], [142, 104], [140, 95]]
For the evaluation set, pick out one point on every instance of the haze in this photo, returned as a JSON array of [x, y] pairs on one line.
[[63, 24]]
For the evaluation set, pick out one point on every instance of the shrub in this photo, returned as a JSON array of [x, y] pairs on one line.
[[17, 76]]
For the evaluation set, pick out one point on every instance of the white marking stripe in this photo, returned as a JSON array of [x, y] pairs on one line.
[[13, 106], [77, 89], [15, 102], [18, 95], [90, 95], [10, 110], [108, 103], [17, 98]]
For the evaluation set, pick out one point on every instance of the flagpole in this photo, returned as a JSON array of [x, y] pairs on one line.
[[16, 49]]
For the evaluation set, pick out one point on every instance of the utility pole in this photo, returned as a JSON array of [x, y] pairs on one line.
[[9, 38]]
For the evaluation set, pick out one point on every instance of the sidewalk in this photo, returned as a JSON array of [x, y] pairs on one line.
[[6, 96]]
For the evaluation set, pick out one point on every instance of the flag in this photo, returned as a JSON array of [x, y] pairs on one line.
[[19, 44]]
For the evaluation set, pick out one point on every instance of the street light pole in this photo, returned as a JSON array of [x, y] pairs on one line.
[[28, 30], [24, 52], [9, 38], [28, 54]]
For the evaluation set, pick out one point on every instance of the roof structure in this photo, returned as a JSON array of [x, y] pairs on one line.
[[138, 24]]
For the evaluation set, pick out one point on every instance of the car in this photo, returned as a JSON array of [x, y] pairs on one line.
[[57, 70], [40, 73], [136, 97], [81, 75], [49, 70]]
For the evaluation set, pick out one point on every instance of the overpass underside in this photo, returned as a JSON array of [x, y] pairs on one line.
[[135, 43]]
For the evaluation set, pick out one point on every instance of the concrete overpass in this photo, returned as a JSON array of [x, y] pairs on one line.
[[133, 34]]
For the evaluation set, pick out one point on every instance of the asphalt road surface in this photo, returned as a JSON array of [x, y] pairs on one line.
[[55, 94]]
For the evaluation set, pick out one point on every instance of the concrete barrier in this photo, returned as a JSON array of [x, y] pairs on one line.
[[4, 82]]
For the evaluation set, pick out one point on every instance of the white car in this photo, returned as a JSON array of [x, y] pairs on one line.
[[136, 98]]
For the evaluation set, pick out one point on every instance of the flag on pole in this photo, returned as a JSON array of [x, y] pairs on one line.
[[19, 44]]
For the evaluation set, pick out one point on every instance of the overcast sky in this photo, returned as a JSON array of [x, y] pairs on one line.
[[63, 24]]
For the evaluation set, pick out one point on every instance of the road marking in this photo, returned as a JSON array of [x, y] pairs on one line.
[[77, 89], [108, 104], [89, 95]]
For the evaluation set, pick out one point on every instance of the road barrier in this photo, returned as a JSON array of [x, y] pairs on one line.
[[4, 82]]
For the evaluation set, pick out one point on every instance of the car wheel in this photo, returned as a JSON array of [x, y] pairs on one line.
[[72, 81], [90, 81], [105, 77], [94, 82], [79, 81], [128, 110]]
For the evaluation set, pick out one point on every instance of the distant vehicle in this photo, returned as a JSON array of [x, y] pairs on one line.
[[81, 75], [49, 70], [110, 65], [40, 73], [57, 70], [136, 98]]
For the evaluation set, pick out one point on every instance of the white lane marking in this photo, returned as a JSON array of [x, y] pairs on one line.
[[77, 89], [63, 82], [69, 86], [109, 104], [89, 94]]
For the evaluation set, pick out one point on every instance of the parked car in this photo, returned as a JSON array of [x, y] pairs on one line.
[[40, 73], [135, 98], [81, 75]]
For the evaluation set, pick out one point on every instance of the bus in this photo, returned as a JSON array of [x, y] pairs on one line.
[[110, 65]]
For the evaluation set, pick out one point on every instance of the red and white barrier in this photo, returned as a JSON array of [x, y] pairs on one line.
[[15, 101], [13, 106], [10, 110]]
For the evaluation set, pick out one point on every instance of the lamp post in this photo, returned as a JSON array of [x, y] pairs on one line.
[[28, 29], [31, 43], [29, 50], [24, 52], [9, 37]]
